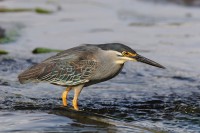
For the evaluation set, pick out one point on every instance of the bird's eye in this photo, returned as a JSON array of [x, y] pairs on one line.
[[124, 53]]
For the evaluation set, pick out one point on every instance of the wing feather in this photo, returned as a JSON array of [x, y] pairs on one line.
[[65, 73], [68, 68]]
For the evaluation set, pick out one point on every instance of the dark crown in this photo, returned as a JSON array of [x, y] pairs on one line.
[[116, 47]]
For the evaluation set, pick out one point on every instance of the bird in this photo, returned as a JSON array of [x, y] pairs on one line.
[[82, 66]]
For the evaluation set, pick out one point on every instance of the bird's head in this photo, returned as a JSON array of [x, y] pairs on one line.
[[125, 53]]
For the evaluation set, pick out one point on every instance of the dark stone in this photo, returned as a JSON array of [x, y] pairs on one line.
[[181, 2], [2, 33]]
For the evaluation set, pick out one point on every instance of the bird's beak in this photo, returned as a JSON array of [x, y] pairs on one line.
[[147, 61]]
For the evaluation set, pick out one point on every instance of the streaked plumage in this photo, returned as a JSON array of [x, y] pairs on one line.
[[82, 66], [68, 68]]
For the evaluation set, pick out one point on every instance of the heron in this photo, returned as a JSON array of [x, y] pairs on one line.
[[83, 66]]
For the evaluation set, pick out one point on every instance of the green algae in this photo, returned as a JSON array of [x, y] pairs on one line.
[[4, 10], [44, 50], [37, 10], [3, 52], [42, 11], [10, 36]]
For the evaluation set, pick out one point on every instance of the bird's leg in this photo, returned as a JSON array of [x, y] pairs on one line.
[[77, 91], [64, 96]]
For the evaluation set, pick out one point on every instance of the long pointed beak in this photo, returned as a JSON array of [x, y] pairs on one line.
[[147, 61]]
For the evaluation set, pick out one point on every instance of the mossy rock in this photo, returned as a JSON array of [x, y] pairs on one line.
[[4, 10], [44, 50], [10, 36], [2, 52], [42, 11], [5, 40], [37, 10]]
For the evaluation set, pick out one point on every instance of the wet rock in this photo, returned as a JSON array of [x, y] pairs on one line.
[[182, 2], [4, 10], [44, 50], [5, 83], [2, 32], [2, 52], [42, 11], [186, 2], [142, 24], [37, 10], [101, 30], [8, 36], [184, 78]]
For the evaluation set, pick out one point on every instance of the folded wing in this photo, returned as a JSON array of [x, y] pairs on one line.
[[62, 69]]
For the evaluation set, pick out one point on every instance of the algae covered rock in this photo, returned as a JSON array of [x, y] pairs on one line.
[[7, 36], [37, 10], [44, 50], [42, 11], [2, 52]]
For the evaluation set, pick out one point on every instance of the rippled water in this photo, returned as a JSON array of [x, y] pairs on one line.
[[140, 99]]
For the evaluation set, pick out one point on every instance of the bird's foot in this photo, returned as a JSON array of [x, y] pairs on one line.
[[65, 103], [64, 98], [75, 105]]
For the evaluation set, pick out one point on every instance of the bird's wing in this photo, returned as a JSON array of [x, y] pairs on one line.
[[70, 67], [67, 73]]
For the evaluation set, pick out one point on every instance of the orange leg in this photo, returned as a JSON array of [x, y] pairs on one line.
[[64, 96], [77, 91]]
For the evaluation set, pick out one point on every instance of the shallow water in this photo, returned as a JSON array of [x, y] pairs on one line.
[[140, 99]]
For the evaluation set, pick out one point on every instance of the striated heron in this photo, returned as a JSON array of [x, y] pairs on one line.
[[82, 66]]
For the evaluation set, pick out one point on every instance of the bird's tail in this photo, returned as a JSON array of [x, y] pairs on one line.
[[31, 74]]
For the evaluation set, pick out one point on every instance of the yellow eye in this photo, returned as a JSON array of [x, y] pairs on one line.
[[124, 53], [128, 54]]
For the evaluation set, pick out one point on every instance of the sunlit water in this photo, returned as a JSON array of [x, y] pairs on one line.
[[140, 99]]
